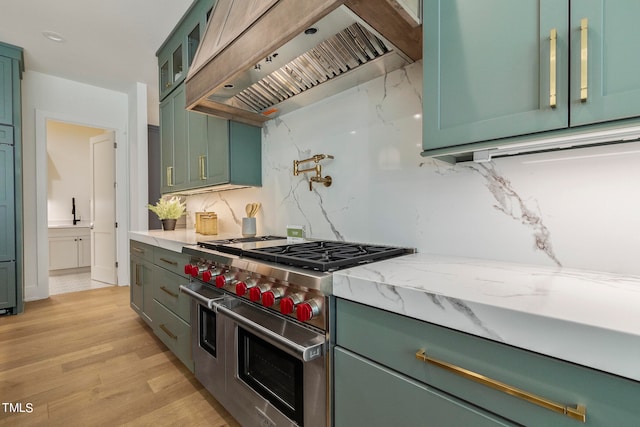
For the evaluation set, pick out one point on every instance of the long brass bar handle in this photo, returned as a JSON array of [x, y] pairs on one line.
[[202, 166], [168, 332], [553, 41], [577, 413], [138, 274], [138, 250], [168, 292], [169, 176], [584, 58], [170, 262]]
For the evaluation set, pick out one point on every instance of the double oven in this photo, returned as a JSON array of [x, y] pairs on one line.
[[261, 323]]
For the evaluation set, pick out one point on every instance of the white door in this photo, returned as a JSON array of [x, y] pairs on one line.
[[103, 208]]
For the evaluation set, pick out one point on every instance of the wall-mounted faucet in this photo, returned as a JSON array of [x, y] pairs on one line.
[[317, 168]]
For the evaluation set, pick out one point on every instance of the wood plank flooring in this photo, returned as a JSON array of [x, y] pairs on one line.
[[87, 359]]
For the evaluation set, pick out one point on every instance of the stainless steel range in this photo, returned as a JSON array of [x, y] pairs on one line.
[[261, 320]]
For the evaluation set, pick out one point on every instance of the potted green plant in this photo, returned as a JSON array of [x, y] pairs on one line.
[[168, 211]]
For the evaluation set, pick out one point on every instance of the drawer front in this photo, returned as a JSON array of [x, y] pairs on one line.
[[392, 399], [141, 250], [174, 332], [393, 341], [172, 261], [166, 290]]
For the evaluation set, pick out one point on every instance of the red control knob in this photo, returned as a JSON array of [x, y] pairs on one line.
[[220, 281], [241, 289], [286, 305], [255, 293], [268, 299], [206, 275], [304, 312], [188, 268]]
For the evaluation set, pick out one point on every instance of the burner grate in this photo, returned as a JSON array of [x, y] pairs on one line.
[[325, 256]]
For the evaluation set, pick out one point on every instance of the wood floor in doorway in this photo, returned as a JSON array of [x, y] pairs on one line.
[[86, 359]]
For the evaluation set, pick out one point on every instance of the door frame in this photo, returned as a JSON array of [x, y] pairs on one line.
[[122, 200]]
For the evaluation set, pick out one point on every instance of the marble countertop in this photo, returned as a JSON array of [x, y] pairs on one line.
[[69, 224], [584, 317], [174, 240]]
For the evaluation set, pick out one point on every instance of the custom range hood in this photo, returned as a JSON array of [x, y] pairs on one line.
[[262, 58]]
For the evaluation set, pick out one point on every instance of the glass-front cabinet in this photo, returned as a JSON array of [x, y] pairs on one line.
[[177, 53]]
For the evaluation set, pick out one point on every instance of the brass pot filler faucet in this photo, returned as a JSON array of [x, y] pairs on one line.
[[317, 168]]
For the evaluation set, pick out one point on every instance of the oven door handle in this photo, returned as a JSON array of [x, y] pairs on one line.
[[302, 352], [212, 303]]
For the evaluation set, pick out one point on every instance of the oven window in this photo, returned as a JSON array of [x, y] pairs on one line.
[[274, 374], [208, 330]]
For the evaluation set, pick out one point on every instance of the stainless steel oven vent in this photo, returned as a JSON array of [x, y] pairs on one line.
[[349, 49]]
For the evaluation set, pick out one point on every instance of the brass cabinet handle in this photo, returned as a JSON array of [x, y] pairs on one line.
[[138, 250], [553, 41], [138, 275], [584, 58], [168, 261], [168, 332], [169, 176], [167, 291], [577, 413], [202, 166]]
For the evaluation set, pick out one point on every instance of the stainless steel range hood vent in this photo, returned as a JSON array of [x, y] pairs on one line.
[[350, 48], [294, 54]]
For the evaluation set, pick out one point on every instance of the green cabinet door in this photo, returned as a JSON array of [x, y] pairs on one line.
[[7, 206], [141, 292], [173, 142], [6, 91], [217, 161], [368, 394], [612, 64], [245, 154], [488, 67], [7, 285]]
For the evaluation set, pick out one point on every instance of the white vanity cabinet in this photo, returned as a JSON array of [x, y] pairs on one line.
[[69, 247]]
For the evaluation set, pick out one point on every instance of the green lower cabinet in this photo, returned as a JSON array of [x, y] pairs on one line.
[[373, 343], [174, 332], [141, 290], [156, 276], [368, 394]]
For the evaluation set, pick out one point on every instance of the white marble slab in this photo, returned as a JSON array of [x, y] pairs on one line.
[[174, 240], [589, 318]]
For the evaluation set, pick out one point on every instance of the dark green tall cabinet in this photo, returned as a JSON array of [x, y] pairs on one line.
[[11, 63]]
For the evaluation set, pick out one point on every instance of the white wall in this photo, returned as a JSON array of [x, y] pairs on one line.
[[577, 209], [68, 171], [47, 97]]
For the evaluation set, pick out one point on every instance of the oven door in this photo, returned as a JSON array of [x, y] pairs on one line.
[[207, 338], [276, 369]]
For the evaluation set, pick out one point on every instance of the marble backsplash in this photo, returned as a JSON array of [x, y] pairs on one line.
[[577, 208]]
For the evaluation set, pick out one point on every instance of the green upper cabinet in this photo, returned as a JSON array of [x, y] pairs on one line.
[[173, 140], [197, 150], [519, 71], [177, 52], [6, 91], [612, 66], [490, 78]]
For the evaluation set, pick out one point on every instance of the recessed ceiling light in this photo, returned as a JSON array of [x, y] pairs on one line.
[[53, 36]]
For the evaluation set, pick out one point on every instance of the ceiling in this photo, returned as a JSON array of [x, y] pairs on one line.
[[108, 43]]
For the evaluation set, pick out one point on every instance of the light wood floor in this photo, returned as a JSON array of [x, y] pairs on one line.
[[86, 359]]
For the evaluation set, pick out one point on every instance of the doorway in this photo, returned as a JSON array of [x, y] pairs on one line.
[[72, 179]]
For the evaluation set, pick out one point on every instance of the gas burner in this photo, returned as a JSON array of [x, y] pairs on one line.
[[325, 255]]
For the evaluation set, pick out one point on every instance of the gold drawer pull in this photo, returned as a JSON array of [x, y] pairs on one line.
[[168, 332], [138, 250], [168, 261], [553, 37], [584, 58], [577, 413], [167, 291]]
